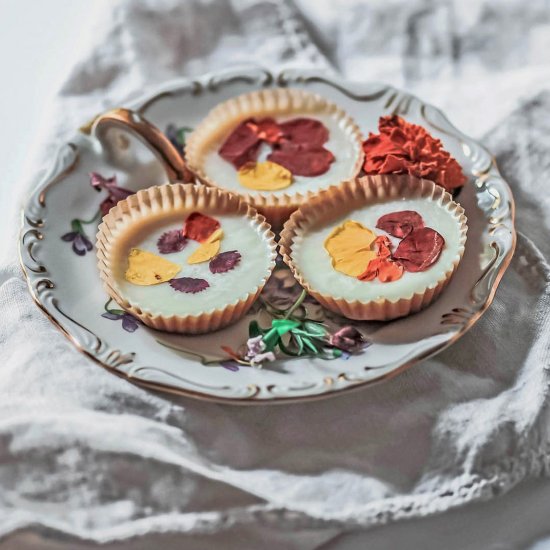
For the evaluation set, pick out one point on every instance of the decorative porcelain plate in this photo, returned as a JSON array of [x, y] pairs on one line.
[[60, 222]]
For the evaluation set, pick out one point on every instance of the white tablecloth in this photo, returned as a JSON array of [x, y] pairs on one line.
[[87, 455]]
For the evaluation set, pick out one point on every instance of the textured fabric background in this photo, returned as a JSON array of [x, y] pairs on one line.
[[84, 454]]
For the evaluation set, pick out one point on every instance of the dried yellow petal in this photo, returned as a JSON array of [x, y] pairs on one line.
[[208, 249], [264, 176], [146, 268], [349, 246], [216, 236]]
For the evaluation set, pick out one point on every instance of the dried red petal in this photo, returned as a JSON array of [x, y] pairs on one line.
[[385, 269], [305, 131], [302, 160], [242, 145], [382, 246], [400, 224], [372, 270], [226, 261], [420, 249], [171, 241], [266, 129], [389, 271], [402, 147], [189, 285], [199, 227]]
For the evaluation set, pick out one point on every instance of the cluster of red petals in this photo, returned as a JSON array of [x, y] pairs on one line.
[[199, 227], [419, 248], [383, 266], [405, 148], [296, 144]]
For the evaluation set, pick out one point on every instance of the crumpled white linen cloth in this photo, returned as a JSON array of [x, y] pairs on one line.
[[87, 456]]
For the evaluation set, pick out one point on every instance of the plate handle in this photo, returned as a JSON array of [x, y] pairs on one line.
[[148, 134]]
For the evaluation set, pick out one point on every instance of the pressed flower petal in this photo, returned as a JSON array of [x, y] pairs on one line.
[[241, 146], [402, 147], [419, 250], [189, 285], [383, 246], [400, 224], [171, 241], [307, 131], [199, 227], [350, 247], [264, 176], [389, 271], [225, 261], [204, 253], [266, 129], [302, 160], [146, 268]]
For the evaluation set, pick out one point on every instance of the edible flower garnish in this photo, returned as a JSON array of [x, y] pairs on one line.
[[350, 248], [264, 176], [383, 265], [420, 249], [171, 241], [405, 148], [199, 227], [146, 268], [400, 224], [189, 285], [296, 144], [208, 249], [225, 261]]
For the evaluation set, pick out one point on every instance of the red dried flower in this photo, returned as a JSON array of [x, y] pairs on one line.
[[402, 147]]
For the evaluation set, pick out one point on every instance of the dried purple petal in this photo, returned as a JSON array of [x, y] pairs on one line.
[[226, 261], [129, 323], [171, 241], [189, 284]]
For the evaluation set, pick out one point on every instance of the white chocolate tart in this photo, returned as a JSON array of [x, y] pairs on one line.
[[166, 288], [344, 142], [308, 243]]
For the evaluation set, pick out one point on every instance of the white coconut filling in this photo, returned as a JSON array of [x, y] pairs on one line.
[[344, 149], [314, 262], [225, 288]]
